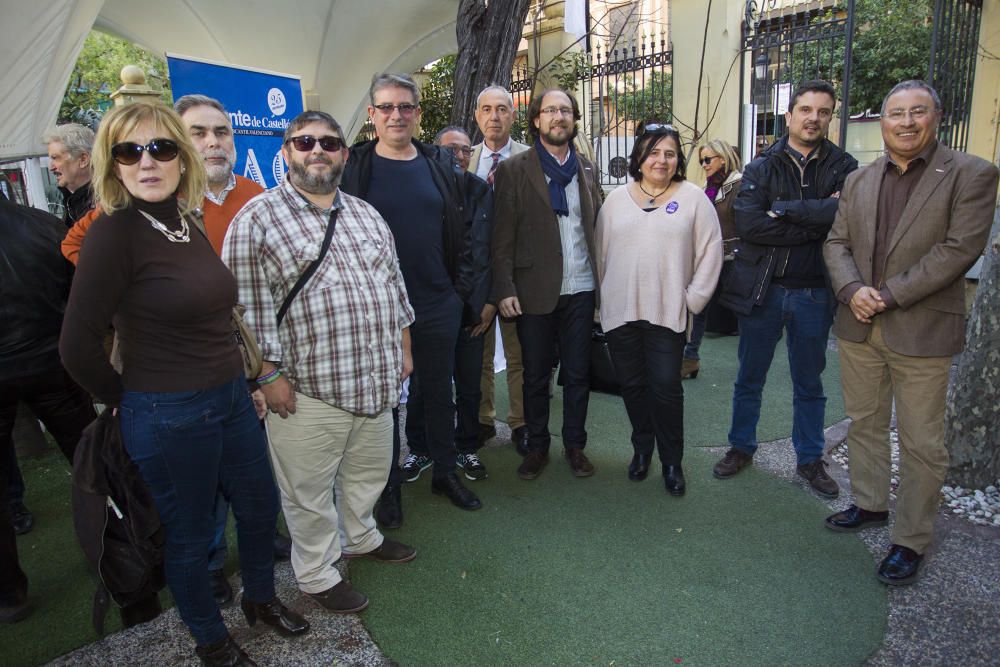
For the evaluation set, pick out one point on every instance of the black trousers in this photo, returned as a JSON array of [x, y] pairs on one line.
[[648, 364], [66, 410], [569, 326], [430, 410]]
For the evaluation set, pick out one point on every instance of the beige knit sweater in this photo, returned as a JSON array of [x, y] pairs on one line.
[[657, 266]]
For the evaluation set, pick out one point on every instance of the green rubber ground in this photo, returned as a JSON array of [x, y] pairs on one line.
[[604, 571]]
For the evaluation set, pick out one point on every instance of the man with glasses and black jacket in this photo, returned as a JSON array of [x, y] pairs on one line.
[[419, 190]]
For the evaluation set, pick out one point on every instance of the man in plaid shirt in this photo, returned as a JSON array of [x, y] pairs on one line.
[[335, 363]]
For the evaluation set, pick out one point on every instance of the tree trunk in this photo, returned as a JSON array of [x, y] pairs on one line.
[[488, 35], [972, 415]]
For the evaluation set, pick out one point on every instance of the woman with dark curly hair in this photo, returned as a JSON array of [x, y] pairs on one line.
[[659, 255]]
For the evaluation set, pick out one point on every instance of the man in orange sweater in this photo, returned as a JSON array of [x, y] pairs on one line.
[[212, 133]]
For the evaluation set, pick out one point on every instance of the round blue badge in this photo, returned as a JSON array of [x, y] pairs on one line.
[[672, 207]]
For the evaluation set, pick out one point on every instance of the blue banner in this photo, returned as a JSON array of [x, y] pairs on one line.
[[260, 106]]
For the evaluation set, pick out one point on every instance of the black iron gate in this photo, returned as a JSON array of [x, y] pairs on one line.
[[781, 49], [952, 67], [624, 87]]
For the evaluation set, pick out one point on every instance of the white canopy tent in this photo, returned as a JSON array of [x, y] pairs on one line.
[[334, 45]]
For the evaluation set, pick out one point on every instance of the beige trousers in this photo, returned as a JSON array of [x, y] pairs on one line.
[[515, 375], [873, 376], [331, 467]]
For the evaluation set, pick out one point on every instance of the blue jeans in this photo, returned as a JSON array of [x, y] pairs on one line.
[[805, 315], [187, 444]]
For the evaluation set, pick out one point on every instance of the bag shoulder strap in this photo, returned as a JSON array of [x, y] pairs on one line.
[[311, 269]]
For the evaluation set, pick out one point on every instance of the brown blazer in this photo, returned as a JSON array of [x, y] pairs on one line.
[[941, 233], [527, 252]]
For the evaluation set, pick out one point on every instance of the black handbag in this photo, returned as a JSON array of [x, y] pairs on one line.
[[603, 377]]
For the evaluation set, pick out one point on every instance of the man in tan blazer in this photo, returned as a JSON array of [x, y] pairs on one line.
[[495, 116], [908, 227], [546, 203]]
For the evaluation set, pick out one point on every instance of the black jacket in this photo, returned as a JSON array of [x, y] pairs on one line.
[[467, 223], [77, 203], [772, 183], [116, 521], [34, 286]]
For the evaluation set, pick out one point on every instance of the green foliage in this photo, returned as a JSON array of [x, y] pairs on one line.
[[437, 98], [568, 69], [653, 101], [892, 42], [97, 74]]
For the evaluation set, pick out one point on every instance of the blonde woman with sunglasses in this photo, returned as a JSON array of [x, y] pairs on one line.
[[186, 417]]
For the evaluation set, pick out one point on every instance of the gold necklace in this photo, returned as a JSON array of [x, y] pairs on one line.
[[182, 236], [652, 197]]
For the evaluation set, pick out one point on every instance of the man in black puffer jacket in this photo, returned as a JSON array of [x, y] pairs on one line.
[[443, 254], [778, 281]]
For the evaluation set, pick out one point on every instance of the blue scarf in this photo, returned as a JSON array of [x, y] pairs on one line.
[[559, 176]]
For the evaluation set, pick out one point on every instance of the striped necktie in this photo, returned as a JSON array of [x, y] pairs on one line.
[[493, 169]]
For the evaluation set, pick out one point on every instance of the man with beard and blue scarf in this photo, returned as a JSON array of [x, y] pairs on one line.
[[545, 210]]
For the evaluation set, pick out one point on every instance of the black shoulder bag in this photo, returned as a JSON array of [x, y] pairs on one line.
[[311, 269]]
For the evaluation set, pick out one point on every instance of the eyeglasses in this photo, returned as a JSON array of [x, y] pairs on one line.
[[916, 113], [708, 160], [128, 152], [306, 142], [460, 148], [405, 109], [562, 111]]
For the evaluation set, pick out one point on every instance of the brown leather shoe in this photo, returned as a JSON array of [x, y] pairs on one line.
[[341, 599], [579, 463], [734, 461], [815, 473], [390, 551], [532, 465], [689, 368]]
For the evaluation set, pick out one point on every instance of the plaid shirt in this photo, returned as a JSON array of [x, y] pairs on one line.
[[340, 341]]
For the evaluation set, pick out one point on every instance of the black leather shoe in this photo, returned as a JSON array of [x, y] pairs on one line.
[[282, 546], [854, 519], [639, 467], [900, 567], [12, 613], [451, 486], [224, 653], [275, 614], [673, 479], [22, 518], [221, 590], [389, 511]]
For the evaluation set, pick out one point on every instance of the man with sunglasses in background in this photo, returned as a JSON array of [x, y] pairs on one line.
[[336, 348], [444, 256], [778, 281], [908, 227], [495, 117], [469, 349], [544, 272]]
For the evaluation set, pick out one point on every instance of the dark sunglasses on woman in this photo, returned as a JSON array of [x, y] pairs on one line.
[[128, 152]]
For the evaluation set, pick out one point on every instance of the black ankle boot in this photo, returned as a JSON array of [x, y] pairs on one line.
[[224, 653], [275, 614]]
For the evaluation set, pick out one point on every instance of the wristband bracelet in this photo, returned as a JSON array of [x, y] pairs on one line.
[[270, 377]]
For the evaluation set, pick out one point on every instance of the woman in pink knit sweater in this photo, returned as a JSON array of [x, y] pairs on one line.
[[659, 257]]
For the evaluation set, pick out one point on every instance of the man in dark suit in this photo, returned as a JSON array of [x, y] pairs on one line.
[[547, 200], [908, 227]]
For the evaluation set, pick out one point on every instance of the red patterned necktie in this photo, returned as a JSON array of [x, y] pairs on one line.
[[493, 169]]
